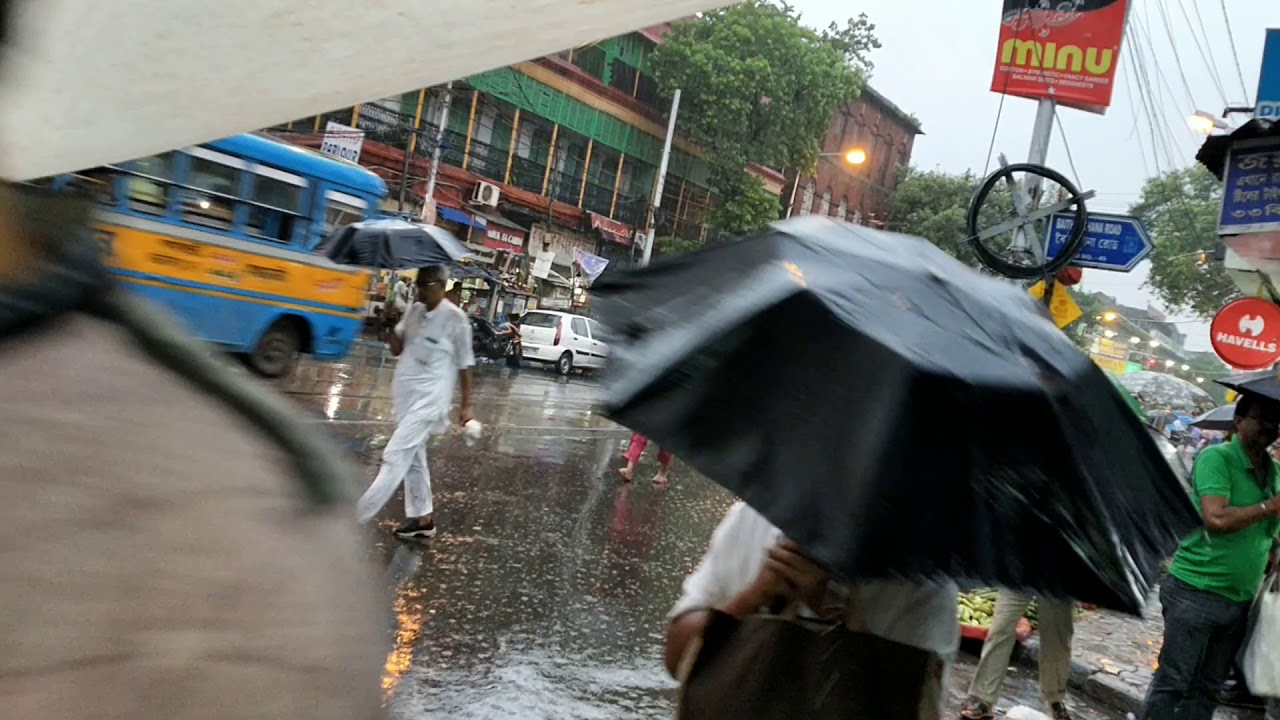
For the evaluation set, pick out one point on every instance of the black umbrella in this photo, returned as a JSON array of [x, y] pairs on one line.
[[894, 412], [1220, 418], [392, 244], [1264, 382]]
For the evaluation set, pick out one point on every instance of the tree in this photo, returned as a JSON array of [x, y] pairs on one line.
[[1180, 210], [759, 87], [673, 245], [934, 205]]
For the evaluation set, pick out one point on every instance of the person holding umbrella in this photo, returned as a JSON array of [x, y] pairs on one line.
[[433, 342], [751, 566], [1217, 569]]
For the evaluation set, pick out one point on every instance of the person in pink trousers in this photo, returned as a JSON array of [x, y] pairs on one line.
[[635, 450]]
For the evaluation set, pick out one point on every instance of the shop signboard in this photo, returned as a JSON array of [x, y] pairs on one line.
[[1246, 334], [612, 230], [1111, 365], [499, 237], [1251, 188], [342, 141], [1063, 51]]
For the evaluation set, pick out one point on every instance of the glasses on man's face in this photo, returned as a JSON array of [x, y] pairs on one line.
[[1270, 424]]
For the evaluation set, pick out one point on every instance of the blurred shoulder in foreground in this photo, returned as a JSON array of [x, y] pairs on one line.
[[173, 542]]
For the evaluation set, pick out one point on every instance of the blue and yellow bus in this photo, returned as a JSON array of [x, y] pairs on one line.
[[222, 234]]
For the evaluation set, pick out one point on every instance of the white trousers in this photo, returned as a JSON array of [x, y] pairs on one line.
[[404, 459]]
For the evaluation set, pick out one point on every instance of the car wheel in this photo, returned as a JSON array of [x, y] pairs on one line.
[[564, 365], [277, 349]]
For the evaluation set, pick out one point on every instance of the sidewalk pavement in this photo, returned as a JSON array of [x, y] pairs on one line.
[[1114, 657]]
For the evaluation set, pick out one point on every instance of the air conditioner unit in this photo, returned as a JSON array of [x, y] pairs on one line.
[[486, 194]]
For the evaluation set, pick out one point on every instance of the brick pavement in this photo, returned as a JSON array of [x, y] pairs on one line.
[[1114, 656]]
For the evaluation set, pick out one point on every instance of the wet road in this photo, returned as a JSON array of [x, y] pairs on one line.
[[544, 594]]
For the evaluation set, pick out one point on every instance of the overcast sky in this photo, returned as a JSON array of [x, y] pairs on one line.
[[937, 63]]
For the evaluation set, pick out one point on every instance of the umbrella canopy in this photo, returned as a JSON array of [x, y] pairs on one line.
[[1155, 389], [1220, 418], [392, 244], [814, 370], [1265, 383]]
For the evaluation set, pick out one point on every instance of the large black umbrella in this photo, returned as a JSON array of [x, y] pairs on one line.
[[1264, 382], [894, 412], [1220, 418], [392, 244]]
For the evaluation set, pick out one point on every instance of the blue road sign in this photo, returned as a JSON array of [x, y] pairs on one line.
[[1111, 242], [1269, 79]]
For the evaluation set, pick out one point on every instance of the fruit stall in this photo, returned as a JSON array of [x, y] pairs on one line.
[[976, 608]]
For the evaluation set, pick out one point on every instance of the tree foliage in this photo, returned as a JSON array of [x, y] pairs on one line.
[[934, 205], [1180, 210], [759, 87], [674, 245]]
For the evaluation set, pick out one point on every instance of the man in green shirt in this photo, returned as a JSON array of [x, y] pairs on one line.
[[1217, 570]]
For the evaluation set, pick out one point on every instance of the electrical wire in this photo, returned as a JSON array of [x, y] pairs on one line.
[[1231, 37], [1177, 57], [1067, 146], [1205, 49], [991, 146]]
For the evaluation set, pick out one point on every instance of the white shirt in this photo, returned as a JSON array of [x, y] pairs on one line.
[[437, 344], [917, 613]]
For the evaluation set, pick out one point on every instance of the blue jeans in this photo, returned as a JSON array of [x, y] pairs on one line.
[[1202, 634]]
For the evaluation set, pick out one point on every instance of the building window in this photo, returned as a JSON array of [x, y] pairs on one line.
[[843, 211], [806, 205], [825, 207]]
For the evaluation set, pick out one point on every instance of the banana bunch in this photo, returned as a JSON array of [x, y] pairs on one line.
[[976, 608]]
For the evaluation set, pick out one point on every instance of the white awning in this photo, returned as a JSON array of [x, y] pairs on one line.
[[89, 82]]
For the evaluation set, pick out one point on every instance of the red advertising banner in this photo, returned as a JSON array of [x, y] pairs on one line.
[[1068, 54], [500, 237]]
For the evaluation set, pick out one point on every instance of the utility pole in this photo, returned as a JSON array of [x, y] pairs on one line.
[[435, 151], [662, 179], [1025, 199]]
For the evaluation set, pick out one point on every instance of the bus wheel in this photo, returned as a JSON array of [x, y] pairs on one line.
[[277, 349]]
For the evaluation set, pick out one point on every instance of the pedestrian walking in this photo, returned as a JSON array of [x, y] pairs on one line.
[[433, 342], [635, 449], [750, 567], [1057, 626], [1217, 570]]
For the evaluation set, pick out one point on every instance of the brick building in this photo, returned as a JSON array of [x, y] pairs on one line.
[[859, 194]]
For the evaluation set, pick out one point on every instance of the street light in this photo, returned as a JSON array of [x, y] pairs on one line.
[[853, 156], [1109, 316], [1153, 343], [1109, 333], [1185, 367], [1168, 363], [1135, 339], [1199, 379], [1203, 122]]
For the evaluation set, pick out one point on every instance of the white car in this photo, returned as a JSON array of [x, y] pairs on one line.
[[562, 339]]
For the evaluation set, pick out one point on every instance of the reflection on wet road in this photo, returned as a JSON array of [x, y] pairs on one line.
[[544, 594]]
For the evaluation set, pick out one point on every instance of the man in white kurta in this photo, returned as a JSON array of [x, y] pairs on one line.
[[433, 342]]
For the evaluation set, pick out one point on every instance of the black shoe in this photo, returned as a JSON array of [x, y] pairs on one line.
[[415, 530], [1059, 711]]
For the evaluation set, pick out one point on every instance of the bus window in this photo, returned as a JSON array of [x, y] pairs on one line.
[[148, 183], [215, 207], [277, 203], [341, 209], [97, 185]]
